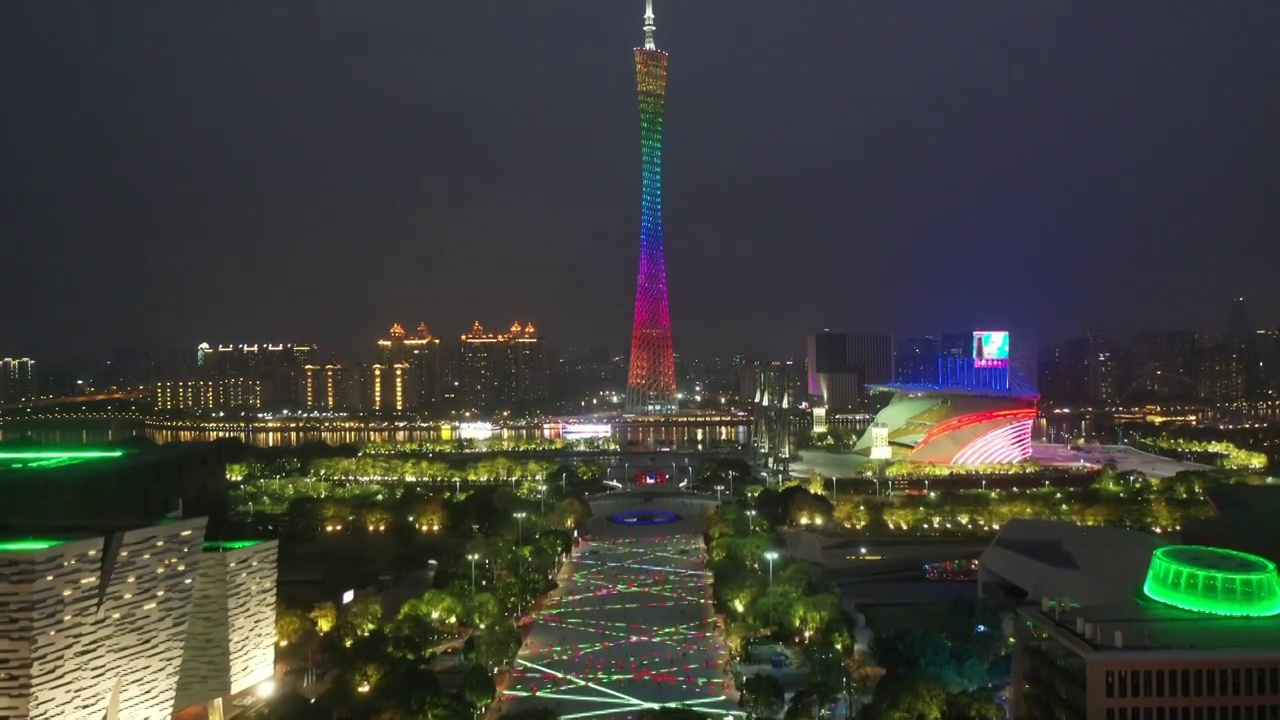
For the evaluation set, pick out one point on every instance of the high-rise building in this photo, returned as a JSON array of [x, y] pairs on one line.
[[840, 365], [225, 393], [916, 362], [872, 355], [1264, 376], [279, 369], [481, 364], [409, 375], [424, 356], [502, 372], [331, 387], [1100, 361], [1222, 373], [832, 381], [17, 380], [528, 378], [1239, 319], [651, 382]]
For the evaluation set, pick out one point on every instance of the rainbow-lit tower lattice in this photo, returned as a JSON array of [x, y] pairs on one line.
[[651, 382]]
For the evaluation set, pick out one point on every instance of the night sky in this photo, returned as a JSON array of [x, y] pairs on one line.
[[240, 171]]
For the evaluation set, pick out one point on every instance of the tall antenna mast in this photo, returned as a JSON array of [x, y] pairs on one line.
[[648, 26]]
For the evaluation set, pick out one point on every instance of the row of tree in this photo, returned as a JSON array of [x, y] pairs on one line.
[[766, 597], [1113, 499], [491, 444], [377, 665]]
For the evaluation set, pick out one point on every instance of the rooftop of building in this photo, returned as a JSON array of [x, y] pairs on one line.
[[1146, 625], [1239, 499], [1053, 559]]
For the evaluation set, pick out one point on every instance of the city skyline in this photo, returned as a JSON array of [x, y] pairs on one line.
[[230, 192]]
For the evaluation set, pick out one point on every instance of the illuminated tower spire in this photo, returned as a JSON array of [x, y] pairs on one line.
[[648, 26], [651, 379]]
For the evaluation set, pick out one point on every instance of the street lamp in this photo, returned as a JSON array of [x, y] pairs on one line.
[[719, 488], [771, 555], [520, 516], [543, 489], [562, 474], [473, 557], [457, 487], [833, 489], [751, 521]]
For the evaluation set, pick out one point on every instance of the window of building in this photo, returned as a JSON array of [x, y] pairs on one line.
[[1186, 683], [1160, 685], [1146, 683], [1273, 682], [1123, 682], [1111, 683], [1199, 683], [1236, 686], [1173, 683], [1248, 683]]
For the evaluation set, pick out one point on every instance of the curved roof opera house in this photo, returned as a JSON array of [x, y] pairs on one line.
[[954, 429]]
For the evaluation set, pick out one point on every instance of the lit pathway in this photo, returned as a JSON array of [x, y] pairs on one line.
[[632, 628]]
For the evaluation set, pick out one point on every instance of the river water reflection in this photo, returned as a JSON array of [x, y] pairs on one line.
[[676, 436]]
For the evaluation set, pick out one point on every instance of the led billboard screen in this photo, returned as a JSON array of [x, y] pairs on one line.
[[990, 348]]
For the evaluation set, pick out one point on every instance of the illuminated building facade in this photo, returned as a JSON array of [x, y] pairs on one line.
[[17, 380], [208, 395], [95, 627], [279, 369], [329, 387], [651, 381], [134, 614], [501, 372], [230, 643], [136, 623], [409, 374], [978, 411]]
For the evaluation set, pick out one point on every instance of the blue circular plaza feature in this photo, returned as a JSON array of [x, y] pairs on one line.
[[644, 517]]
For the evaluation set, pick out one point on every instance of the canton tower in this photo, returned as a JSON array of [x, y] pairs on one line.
[[651, 381]]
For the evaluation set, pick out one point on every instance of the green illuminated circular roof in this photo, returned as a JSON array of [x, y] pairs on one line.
[[1213, 580]]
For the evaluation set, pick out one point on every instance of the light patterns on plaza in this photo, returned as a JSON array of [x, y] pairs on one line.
[[677, 663]]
